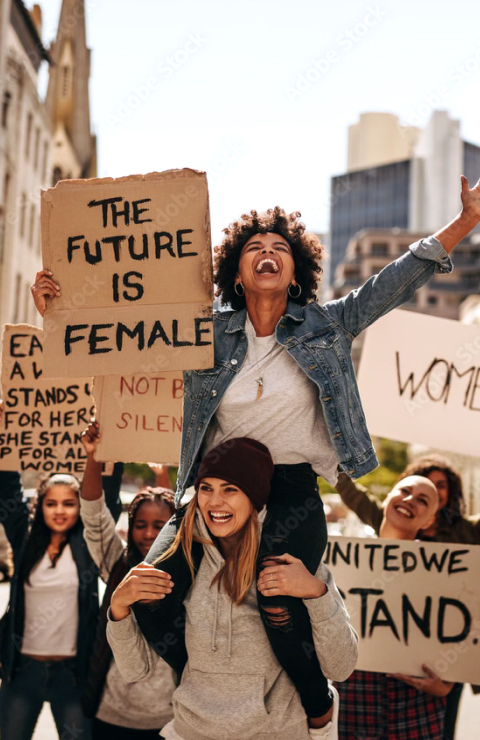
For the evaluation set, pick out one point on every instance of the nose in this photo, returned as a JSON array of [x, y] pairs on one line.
[[216, 499], [268, 248]]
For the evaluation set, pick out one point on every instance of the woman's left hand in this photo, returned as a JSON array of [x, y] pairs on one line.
[[470, 199], [432, 684], [287, 576]]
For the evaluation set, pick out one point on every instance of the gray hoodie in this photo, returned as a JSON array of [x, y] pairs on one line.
[[233, 687]]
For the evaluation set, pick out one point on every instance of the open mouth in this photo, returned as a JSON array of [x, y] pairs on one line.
[[219, 517], [267, 266], [404, 512]]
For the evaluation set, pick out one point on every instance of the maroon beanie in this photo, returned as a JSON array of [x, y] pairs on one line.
[[244, 462]]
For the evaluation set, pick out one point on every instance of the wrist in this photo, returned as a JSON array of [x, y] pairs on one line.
[[118, 611], [318, 589]]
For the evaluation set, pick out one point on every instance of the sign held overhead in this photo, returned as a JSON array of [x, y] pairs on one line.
[[133, 260]]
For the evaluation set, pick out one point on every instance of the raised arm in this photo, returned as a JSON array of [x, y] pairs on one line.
[[360, 501], [397, 282], [104, 544]]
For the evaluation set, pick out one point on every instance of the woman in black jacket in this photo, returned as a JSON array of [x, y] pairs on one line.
[[48, 630]]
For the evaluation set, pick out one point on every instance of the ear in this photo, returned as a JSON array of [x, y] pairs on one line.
[[428, 524]]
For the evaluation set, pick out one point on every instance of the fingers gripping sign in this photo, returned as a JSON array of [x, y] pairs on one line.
[[91, 437], [44, 287], [144, 583], [288, 576]]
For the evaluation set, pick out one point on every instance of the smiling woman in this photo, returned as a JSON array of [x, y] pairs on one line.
[[284, 376]]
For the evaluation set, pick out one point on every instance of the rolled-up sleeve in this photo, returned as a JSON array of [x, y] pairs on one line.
[[431, 249]]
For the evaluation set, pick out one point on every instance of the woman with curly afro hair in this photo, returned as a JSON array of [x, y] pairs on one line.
[[283, 375]]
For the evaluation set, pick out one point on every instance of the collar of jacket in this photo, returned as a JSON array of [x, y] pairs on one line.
[[237, 321]]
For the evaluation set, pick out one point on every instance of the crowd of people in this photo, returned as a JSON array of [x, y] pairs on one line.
[[218, 619]]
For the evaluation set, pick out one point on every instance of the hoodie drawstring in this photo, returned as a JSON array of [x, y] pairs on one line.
[[214, 633], [230, 629]]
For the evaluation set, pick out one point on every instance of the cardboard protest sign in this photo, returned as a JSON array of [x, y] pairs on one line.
[[411, 603], [419, 380], [42, 419], [140, 417], [133, 259]]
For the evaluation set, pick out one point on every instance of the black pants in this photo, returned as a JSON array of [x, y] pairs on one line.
[[295, 523], [106, 731], [451, 711]]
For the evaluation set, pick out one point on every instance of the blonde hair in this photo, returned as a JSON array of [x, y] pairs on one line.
[[239, 570]]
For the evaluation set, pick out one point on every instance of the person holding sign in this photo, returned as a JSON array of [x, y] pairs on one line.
[[449, 525], [397, 706], [283, 375], [232, 685], [119, 709], [48, 631]]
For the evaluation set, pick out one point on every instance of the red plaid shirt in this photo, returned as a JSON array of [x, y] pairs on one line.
[[374, 706]]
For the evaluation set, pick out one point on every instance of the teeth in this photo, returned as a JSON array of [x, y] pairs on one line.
[[265, 261], [406, 512], [220, 516]]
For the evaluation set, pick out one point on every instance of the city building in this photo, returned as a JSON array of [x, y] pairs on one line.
[[411, 185], [40, 141]]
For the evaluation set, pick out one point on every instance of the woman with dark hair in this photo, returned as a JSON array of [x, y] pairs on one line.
[[122, 711], [49, 628], [283, 375], [449, 525], [232, 686]]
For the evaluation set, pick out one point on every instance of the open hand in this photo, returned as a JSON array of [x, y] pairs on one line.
[[287, 576], [142, 583], [91, 437], [44, 286], [470, 198], [431, 684]]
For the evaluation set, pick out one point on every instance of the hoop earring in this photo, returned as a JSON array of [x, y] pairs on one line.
[[299, 290], [240, 295]]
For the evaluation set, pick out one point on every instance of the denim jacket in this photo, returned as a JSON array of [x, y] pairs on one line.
[[319, 339]]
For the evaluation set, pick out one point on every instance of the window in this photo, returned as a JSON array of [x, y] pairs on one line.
[[7, 97], [23, 208], [32, 225], [402, 248], [380, 249], [376, 269], [37, 147], [44, 162], [57, 175], [28, 134], [66, 81], [18, 285], [26, 304], [432, 300]]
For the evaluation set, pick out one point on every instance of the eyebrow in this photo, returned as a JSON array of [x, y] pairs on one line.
[[284, 244]]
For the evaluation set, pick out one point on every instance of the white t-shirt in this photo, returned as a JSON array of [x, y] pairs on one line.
[[51, 607], [287, 417]]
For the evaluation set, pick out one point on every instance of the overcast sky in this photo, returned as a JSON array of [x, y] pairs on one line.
[[260, 93]]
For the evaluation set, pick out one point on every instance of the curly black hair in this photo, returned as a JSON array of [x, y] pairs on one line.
[[430, 463], [158, 495], [307, 252]]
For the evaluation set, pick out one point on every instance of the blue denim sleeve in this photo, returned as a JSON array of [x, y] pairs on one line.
[[394, 285]]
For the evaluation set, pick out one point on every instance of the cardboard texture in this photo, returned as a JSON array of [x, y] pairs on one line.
[[140, 417], [42, 419], [419, 380], [133, 259], [411, 603]]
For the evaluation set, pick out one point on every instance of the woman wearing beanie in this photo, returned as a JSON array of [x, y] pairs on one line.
[[232, 686], [283, 375]]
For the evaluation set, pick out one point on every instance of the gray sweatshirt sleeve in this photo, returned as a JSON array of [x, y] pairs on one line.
[[133, 655], [336, 642], [104, 544]]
